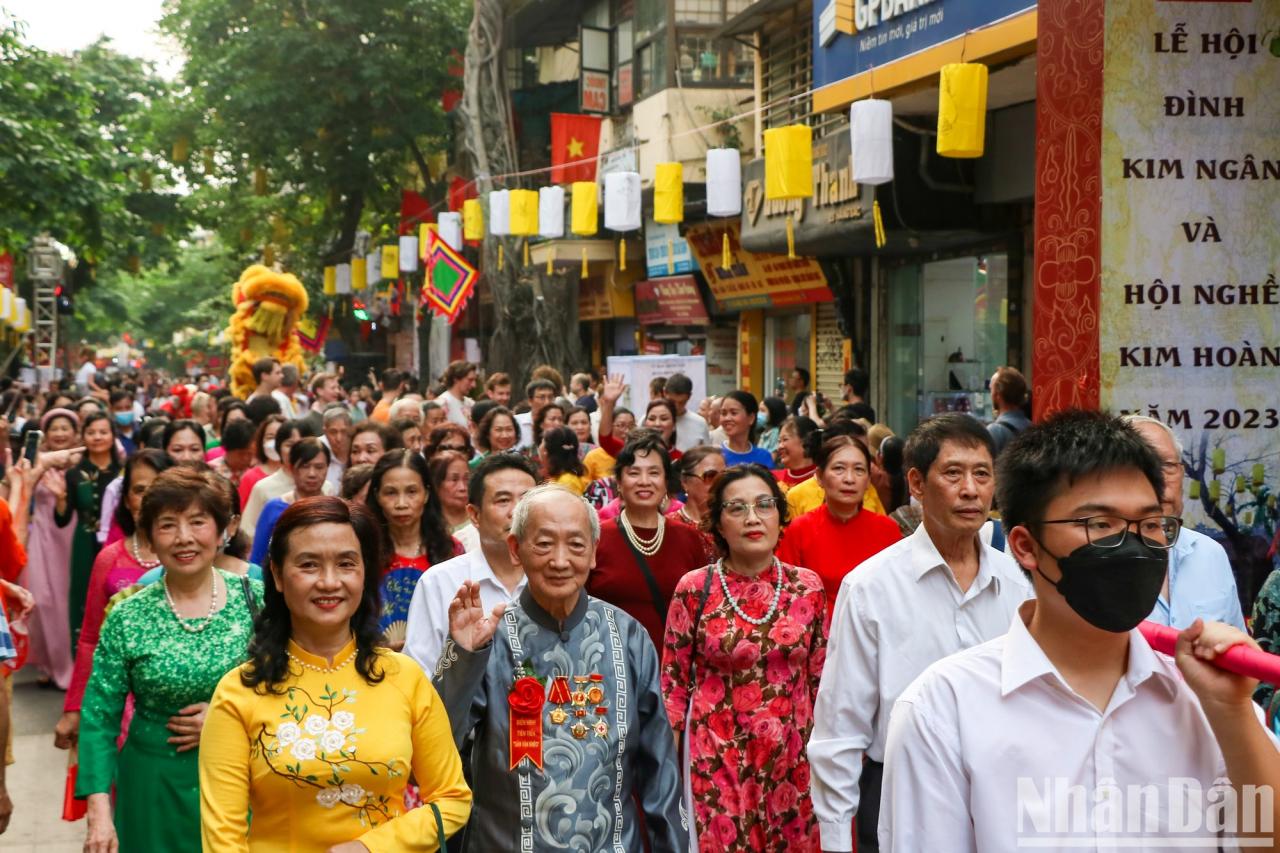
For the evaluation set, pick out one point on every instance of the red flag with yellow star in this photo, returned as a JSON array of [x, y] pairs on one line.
[[575, 143]]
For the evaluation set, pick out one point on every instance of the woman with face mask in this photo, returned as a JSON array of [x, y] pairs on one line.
[[773, 411], [288, 434], [307, 464], [79, 499], [48, 572], [333, 776], [118, 565], [167, 646], [415, 535], [266, 456]]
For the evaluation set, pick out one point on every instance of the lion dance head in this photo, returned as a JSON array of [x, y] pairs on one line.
[[268, 305]]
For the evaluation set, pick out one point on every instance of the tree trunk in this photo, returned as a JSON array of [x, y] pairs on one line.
[[536, 315]]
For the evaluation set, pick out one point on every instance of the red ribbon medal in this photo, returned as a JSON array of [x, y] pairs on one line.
[[525, 703]]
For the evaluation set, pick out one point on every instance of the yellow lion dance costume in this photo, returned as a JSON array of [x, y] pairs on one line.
[[268, 305]]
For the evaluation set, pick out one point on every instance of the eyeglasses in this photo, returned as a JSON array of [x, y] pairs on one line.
[[1109, 531], [764, 508], [708, 476]]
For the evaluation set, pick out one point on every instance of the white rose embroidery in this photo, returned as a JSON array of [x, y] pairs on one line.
[[304, 749], [288, 733], [332, 741], [315, 724], [351, 794], [328, 797], [343, 720]]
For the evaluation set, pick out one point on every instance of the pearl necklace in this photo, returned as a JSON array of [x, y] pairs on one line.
[[213, 605], [777, 593], [137, 554], [337, 666], [648, 547]]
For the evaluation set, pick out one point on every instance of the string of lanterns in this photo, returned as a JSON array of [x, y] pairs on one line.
[[789, 173]]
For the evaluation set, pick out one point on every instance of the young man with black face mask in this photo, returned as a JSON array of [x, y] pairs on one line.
[[1069, 731]]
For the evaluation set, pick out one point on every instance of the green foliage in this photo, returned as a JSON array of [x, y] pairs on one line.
[[75, 142], [338, 102]]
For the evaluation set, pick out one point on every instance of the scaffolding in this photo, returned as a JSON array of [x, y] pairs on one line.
[[45, 266]]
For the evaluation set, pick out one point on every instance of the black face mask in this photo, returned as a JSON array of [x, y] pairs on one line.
[[1112, 588]]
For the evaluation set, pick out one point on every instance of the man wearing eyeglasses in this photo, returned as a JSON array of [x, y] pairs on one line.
[[1199, 583], [933, 594], [1069, 731]]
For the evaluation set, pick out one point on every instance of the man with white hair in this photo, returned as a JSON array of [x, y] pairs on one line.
[[1199, 583], [562, 691], [409, 406]]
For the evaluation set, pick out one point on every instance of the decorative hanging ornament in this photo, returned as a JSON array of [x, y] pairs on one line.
[[551, 219], [871, 139], [343, 279], [524, 217], [585, 214], [408, 254], [449, 228], [788, 170], [962, 110], [359, 273], [724, 191], [622, 207], [425, 230], [668, 202], [373, 268], [330, 281], [500, 218], [391, 261], [472, 220]]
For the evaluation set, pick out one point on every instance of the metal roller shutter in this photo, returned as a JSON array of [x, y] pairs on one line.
[[828, 366]]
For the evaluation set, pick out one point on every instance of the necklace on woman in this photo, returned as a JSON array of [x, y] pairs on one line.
[[337, 666], [648, 547], [683, 512], [213, 605], [137, 554], [777, 593]]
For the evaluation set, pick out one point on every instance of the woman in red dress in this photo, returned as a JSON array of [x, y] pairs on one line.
[[796, 439], [742, 657], [839, 535]]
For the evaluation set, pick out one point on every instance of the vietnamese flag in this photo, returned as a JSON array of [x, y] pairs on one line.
[[574, 139]]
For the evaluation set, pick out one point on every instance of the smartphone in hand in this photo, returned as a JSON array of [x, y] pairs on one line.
[[31, 447]]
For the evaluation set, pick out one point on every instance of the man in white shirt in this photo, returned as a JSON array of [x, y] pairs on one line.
[[459, 379], [540, 394], [691, 429], [933, 594], [269, 375], [496, 487], [336, 422], [1069, 731]]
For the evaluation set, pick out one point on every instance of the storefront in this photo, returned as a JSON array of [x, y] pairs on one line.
[[946, 300]]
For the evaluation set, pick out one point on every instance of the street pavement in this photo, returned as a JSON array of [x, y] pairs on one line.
[[38, 775]]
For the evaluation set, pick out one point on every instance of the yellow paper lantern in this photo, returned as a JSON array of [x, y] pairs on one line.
[[962, 110], [472, 219], [359, 272], [391, 260], [330, 281], [425, 230], [524, 213], [788, 169], [668, 193], [260, 181], [586, 209]]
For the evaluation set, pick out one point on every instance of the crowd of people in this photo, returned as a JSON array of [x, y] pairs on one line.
[[333, 617]]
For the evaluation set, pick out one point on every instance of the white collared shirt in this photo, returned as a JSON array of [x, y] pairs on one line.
[[895, 614], [428, 626], [986, 748]]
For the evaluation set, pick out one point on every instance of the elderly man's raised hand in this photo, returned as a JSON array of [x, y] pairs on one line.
[[469, 626]]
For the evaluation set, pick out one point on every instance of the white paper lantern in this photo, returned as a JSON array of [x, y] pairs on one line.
[[372, 268], [6, 305], [724, 182], [21, 320], [551, 212], [343, 281], [871, 136], [449, 229], [622, 201], [500, 213], [409, 254]]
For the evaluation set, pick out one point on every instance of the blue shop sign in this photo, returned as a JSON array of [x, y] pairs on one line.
[[890, 30]]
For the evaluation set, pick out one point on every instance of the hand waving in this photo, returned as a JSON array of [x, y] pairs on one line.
[[469, 626], [614, 387]]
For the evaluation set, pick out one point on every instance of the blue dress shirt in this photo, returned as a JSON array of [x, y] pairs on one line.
[[1201, 584]]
